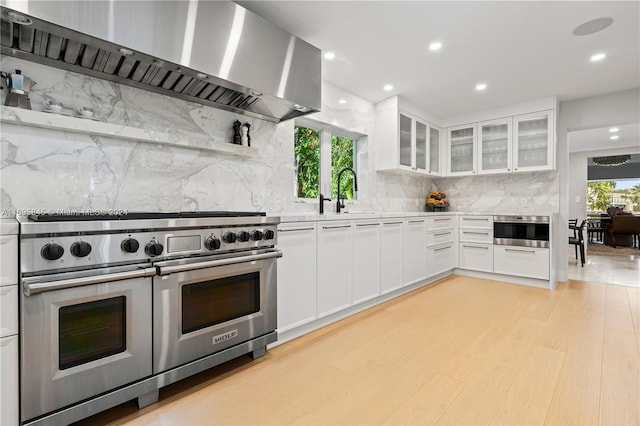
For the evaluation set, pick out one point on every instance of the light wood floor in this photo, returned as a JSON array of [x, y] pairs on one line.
[[462, 351]]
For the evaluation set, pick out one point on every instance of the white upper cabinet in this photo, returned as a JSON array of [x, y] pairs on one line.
[[495, 146], [462, 150], [534, 138], [436, 151], [405, 141]]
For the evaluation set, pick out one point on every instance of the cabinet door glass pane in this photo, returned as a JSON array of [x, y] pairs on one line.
[[532, 142], [434, 150], [462, 150], [495, 146], [421, 145], [405, 141]]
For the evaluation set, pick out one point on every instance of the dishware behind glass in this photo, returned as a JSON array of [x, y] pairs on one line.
[[86, 112], [54, 106]]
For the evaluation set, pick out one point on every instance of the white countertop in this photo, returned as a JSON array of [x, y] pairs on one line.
[[8, 226], [315, 217]]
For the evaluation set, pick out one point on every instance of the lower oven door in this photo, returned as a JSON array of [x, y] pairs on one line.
[[80, 340], [204, 307]]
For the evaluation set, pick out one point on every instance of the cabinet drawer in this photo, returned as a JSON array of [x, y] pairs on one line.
[[8, 259], [8, 310], [440, 222], [441, 258], [440, 237], [9, 390], [484, 222], [476, 235], [521, 261], [477, 257]]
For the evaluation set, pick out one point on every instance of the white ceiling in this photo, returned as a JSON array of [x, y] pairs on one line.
[[598, 139], [522, 50]]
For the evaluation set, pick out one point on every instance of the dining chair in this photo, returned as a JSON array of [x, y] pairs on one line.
[[578, 240], [572, 226]]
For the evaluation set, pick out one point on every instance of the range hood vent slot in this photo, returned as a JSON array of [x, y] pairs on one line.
[[66, 47]]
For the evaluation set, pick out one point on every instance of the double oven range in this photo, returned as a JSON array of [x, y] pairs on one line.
[[113, 307]]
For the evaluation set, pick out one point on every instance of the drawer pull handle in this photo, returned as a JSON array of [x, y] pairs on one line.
[[474, 232], [295, 230], [367, 224], [392, 223], [442, 219], [475, 218], [478, 247], [442, 233], [416, 221], [336, 227], [523, 251], [442, 248]]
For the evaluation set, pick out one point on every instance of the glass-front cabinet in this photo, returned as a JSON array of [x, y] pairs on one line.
[[435, 151], [494, 146], [533, 143], [413, 143], [462, 152]]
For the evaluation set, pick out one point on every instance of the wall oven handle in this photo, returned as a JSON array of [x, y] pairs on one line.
[[31, 287], [166, 270]]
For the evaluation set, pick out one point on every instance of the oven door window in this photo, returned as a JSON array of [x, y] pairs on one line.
[[208, 303], [92, 330]]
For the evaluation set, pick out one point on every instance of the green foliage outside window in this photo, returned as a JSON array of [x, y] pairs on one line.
[[598, 195], [341, 157], [307, 154]]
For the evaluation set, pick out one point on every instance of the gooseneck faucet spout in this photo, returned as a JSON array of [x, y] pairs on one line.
[[339, 203]]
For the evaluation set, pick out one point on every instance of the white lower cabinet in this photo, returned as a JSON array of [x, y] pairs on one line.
[[296, 275], [8, 259], [521, 261], [390, 256], [8, 310], [476, 257], [414, 252], [442, 246], [9, 391], [366, 258], [441, 258], [334, 267]]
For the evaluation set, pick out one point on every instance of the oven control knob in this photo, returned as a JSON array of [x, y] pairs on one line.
[[154, 248], [269, 234], [52, 251], [243, 236], [80, 249], [130, 245], [256, 235], [229, 237], [212, 243]]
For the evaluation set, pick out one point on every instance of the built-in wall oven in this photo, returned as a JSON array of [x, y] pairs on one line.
[[113, 308], [525, 231]]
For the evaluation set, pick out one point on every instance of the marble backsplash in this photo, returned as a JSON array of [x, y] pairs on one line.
[[48, 169]]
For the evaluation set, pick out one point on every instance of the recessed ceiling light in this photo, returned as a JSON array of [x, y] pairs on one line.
[[592, 26], [436, 45], [481, 86], [598, 57], [614, 137], [329, 55], [388, 87], [342, 101], [613, 130]]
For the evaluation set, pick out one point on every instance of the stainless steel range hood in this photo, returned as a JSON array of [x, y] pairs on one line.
[[214, 53]]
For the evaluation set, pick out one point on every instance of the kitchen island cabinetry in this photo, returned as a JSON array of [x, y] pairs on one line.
[[476, 243], [335, 243], [296, 275], [391, 255], [366, 258], [9, 390], [414, 250]]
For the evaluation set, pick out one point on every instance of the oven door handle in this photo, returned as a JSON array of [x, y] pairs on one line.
[[31, 287], [166, 270]]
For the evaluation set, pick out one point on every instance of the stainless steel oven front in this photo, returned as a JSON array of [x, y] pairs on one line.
[[525, 231], [205, 305], [83, 333]]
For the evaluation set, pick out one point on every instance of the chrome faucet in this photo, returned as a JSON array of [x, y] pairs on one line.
[[339, 203], [321, 199]]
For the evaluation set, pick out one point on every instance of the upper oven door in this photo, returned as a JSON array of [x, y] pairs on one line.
[[199, 311], [521, 234], [81, 340]]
